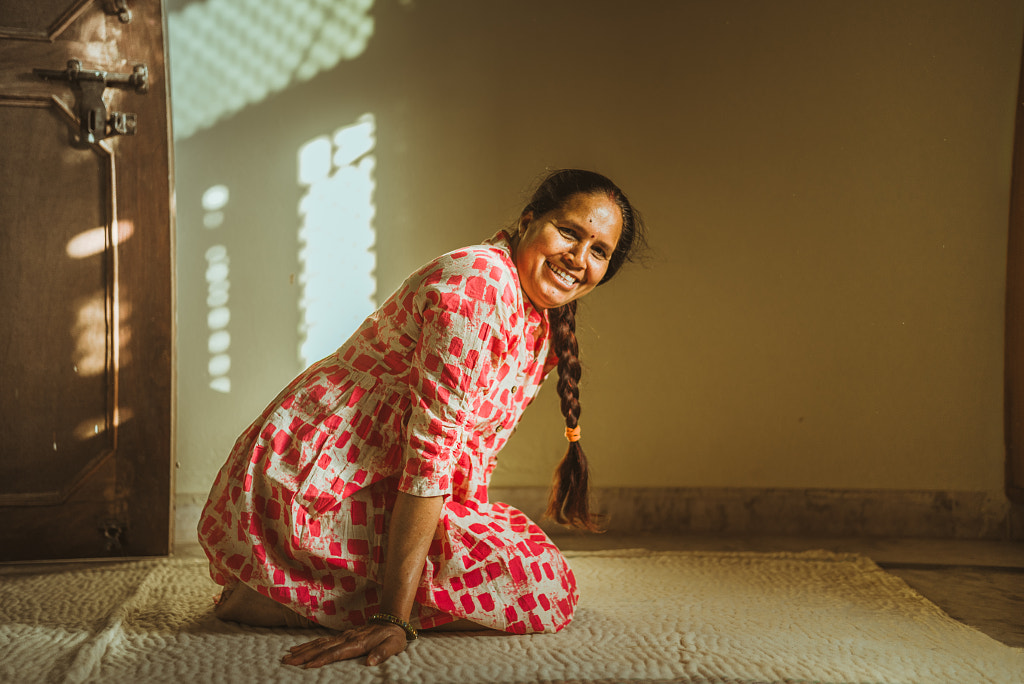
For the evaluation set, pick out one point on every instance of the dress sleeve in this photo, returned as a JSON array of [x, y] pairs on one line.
[[464, 309]]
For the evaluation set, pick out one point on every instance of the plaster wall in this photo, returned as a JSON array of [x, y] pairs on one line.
[[826, 186]]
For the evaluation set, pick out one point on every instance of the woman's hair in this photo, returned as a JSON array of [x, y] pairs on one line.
[[570, 491]]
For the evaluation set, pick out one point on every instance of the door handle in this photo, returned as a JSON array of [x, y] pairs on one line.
[[90, 84]]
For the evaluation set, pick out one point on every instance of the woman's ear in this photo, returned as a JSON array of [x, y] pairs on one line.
[[524, 223]]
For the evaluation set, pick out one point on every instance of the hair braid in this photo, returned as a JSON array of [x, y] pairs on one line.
[[570, 489], [569, 370], [570, 502]]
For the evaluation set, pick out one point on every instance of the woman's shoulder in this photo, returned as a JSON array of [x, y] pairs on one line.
[[478, 271], [481, 258]]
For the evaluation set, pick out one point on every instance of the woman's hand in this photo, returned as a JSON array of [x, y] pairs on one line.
[[377, 642], [413, 523]]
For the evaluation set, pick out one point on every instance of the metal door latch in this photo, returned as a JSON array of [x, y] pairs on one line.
[[90, 84]]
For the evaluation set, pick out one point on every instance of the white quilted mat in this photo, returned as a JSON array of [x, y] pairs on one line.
[[644, 617]]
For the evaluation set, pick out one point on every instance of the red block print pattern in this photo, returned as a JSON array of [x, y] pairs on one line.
[[420, 399]]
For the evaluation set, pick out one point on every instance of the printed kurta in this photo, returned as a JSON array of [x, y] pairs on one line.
[[420, 399]]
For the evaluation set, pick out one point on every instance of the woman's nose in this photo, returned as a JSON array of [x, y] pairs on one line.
[[578, 253]]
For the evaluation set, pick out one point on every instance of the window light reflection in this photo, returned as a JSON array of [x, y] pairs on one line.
[[218, 317], [216, 197], [218, 285], [336, 237], [228, 54]]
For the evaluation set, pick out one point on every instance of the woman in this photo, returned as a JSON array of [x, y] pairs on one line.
[[358, 499]]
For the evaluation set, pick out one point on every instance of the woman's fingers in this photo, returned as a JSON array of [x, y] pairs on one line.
[[303, 653], [332, 654], [387, 648], [379, 641], [309, 645]]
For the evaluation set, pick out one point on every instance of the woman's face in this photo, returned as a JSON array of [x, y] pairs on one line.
[[563, 254]]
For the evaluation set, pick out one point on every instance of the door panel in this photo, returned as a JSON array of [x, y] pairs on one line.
[[86, 289], [39, 20], [56, 242]]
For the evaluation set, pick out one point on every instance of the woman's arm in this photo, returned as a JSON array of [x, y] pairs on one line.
[[412, 527], [413, 522]]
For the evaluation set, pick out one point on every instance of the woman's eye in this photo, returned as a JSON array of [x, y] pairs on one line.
[[566, 233]]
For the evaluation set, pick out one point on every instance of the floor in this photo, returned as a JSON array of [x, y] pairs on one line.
[[980, 583]]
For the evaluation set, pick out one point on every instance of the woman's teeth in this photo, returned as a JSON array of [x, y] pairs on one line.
[[564, 276]]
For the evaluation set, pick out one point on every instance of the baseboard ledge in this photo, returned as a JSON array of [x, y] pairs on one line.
[[792, 512]]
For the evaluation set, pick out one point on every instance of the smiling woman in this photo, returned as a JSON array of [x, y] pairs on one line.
[[358, 499], [563, 254]]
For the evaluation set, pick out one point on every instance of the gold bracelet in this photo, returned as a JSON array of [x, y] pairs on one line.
[[389, 619]]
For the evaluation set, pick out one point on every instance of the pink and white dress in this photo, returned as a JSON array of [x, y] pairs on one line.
[[420, 400]]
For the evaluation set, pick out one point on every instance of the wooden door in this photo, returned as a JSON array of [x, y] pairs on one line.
[[1014, 352], [86, 328]]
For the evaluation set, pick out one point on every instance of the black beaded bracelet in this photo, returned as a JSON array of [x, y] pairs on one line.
[[389, 619]]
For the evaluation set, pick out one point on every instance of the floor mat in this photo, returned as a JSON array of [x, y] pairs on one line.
[[644, 616]]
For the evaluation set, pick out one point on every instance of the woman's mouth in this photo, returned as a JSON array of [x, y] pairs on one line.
[[562, 275]]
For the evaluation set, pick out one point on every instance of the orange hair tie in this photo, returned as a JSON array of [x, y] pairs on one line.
[[573, 434]]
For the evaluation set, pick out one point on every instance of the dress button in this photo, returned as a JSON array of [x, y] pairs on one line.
[[515, 388], [499, 428]]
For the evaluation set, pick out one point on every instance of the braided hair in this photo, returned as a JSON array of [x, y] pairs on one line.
[[569, 503]]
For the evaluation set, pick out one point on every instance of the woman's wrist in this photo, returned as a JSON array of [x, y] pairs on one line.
[[389, 619]]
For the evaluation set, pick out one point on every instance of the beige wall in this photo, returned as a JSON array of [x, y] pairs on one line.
[[826, 185]]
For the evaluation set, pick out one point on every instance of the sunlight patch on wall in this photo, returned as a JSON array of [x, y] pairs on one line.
[[94, 241], [94, 330], [218, 285], [228, 54], [90, 332], [91, 427], [336, 237]]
